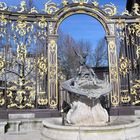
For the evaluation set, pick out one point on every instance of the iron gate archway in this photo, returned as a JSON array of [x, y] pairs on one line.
[[104, 17]]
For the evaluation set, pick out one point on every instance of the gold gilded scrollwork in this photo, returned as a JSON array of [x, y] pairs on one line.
[[138, 52], [134, 63], [2, 100], [134, 28], [126, 12], [125, 98], [53, 72], [80, 1], [135, 92], [110, 9], [120, 24], [2, 63], [42, 22], [23, 7], [21, 51], [51, 7], [137, 29], [125, 65], [42, 66], [53, 46], [3, 23], [33, 10], [21, 94], [3, 6], [65, 2], [53, 104], [3, 20], [111, 47], [95, 3], [42, 100], [136, 9], [114, 100], [114, 74], [50, 28], [22, 26]]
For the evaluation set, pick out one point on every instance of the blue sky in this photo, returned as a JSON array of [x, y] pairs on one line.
[[79, 26], [83, 27], [39, 3]]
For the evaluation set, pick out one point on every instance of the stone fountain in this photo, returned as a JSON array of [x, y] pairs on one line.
[[85, 90], [86, 119]]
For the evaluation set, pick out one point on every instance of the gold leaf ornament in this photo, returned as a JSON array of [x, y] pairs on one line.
[[3, 6], [136, 9], [51, 7], [138, 52], [22, 26], [110, 9], [114, 100], [2, 63], [42, 22], [53, 104], [80, 1], [2, 102], [3, 20], [125, 99], [42, 66], [65, 2], [21, 51], [23, 7], [42, 101], [125, 65]]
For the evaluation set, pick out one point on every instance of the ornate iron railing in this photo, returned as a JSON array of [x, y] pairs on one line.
[[129, 63], [28, 52]]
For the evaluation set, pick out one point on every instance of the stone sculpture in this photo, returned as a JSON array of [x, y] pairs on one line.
[[86, 108]]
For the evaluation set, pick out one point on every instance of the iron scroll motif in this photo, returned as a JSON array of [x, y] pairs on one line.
[[129, 64], [51, 8]]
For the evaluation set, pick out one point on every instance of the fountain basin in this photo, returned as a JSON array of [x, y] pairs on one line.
[[124, 128]]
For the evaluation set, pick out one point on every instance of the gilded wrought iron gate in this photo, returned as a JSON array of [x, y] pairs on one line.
[[23, 62], [129, 61], [28, 52]]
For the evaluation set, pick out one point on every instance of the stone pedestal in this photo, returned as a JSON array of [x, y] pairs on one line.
[[82, 114], [2, 127], [13, 125], [24, 125], [23, 122]]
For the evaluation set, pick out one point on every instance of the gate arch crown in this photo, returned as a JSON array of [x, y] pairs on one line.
[[87, 9]]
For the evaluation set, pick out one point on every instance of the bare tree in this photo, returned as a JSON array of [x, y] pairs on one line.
[[68, 49], [69, 52], [99, 57]]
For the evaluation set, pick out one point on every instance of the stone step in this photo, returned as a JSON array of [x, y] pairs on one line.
[[2, 127], [137, 112], [24, 125]]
